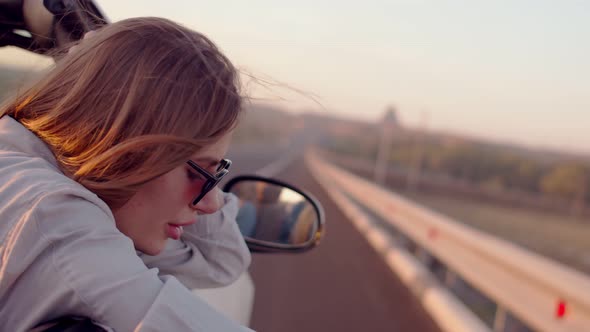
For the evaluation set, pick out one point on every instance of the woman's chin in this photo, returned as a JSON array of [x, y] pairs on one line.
[[153, 249]]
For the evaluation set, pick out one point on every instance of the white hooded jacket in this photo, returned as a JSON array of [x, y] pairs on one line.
[[61, 253]]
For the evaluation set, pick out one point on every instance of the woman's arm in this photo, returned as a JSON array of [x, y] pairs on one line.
[[94, 261], [211, 252]]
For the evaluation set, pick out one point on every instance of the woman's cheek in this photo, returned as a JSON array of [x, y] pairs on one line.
[[190, 193]]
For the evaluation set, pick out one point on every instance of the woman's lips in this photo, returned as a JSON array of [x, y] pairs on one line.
[[174, 231]]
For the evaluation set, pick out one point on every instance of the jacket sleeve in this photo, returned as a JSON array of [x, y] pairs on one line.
[[211, 252], [101, 268]]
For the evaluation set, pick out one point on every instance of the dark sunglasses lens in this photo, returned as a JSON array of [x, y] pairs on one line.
[[221, 171]]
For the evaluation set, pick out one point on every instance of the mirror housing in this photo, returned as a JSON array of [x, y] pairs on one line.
[[275, 216]]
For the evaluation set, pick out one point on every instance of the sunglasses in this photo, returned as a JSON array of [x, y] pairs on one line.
[[211, 180]]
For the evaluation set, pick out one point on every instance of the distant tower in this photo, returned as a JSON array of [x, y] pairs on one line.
[[388, 124], [415, 170], [390, 117]]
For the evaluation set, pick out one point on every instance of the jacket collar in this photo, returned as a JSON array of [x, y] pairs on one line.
[[13, 134]]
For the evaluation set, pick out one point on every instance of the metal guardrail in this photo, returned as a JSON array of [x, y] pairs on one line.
[[545, 295]]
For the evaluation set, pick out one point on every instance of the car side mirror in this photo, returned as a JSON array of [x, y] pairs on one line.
[[275, 216]]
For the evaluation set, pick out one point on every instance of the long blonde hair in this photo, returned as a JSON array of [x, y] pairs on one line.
[[133, 101]]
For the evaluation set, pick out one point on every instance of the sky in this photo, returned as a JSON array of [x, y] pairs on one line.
[[506, 70]]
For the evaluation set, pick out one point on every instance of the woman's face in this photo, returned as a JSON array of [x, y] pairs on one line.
[[156, 212]]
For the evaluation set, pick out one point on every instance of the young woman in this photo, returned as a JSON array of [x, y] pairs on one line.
[[108, 173]]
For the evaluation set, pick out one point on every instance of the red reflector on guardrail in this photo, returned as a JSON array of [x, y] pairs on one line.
[[560, 309]]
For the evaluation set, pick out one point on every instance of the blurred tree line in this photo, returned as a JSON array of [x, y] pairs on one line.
[[487, 166]]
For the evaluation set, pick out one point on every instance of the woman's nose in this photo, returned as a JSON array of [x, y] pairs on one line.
[[212, 202]]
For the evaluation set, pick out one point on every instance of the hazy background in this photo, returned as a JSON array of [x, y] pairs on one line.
[[510, 71]]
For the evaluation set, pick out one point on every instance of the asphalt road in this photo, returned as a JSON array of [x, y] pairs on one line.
[[342, 285]]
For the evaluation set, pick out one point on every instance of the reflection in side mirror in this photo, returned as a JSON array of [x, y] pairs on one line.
[[275, 216]]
